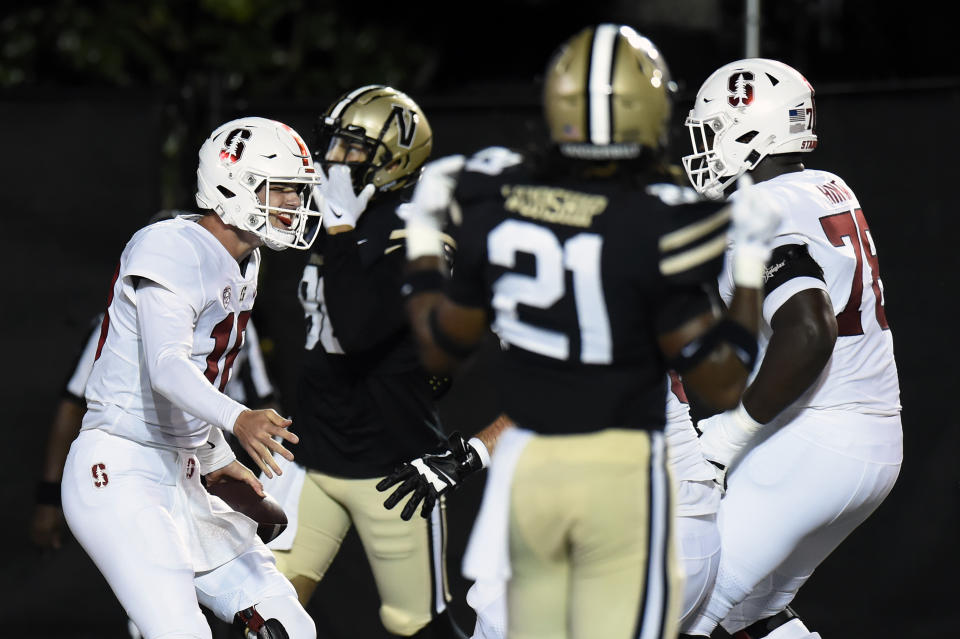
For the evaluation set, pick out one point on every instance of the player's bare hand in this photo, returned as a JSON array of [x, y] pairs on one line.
[[46, 529], [236, 470], [261, 433]]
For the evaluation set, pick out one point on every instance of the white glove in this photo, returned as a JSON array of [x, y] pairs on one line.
[[340, 205], [755, 217], [426, 213], [724, 435]]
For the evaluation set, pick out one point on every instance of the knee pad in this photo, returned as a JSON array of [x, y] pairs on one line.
[[275, 618]]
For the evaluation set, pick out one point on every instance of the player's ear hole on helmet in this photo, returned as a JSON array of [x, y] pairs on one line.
[[747, 137], [396, 164]]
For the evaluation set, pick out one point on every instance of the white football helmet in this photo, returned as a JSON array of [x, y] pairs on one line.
[[745, 111], [244, 155]]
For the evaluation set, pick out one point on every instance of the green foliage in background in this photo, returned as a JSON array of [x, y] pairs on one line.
[[199, 58], [294, 48]]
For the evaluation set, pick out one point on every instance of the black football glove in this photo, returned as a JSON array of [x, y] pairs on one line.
[[427, 477]]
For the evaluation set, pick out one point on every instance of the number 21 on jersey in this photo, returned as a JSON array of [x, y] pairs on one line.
[[852, 227], [581, 255]]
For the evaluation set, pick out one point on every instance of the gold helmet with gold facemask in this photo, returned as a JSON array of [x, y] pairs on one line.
[[388, 133], [608, 95]]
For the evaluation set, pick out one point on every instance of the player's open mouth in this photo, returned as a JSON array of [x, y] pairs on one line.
[[286, 220]]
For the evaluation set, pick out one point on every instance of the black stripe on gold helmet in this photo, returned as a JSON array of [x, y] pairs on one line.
[[379, 132], [608, 95]]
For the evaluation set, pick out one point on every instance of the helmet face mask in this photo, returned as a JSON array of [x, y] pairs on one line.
[[280, 226], [745, 111], [377, 131], [608, 95], [242, 164]]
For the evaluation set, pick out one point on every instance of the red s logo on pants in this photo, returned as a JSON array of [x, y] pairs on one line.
[[99, 473]]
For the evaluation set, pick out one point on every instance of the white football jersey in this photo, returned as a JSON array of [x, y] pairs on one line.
[[188, 260], [822, 213]]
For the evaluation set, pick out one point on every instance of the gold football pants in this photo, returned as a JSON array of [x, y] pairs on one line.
[[590, 539], [406, 557]]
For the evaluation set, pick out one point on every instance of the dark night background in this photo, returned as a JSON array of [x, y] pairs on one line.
[[103, 106]]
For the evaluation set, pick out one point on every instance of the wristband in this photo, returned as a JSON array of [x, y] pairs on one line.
[[742, 342], [48, 493], [482, 451], [422, 281]]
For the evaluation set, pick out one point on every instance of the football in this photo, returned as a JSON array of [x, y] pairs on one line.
[[266, 511]]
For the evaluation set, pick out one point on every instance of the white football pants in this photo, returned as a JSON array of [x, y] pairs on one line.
[[127, 504], [792, 498]]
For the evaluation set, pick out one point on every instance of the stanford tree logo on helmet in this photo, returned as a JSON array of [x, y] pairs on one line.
[[233, 146], [741, 89]]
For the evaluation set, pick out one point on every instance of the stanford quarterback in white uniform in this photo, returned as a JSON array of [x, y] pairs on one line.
[[816, 443], [156, 411]]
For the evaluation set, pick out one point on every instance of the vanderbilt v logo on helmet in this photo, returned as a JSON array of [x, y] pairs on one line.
[[387, 125], [406, 124], [608, 95]]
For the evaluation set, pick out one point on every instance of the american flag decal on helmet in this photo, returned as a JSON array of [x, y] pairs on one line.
[[798, 120]]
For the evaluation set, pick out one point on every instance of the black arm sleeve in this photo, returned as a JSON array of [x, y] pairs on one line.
[[364, 302], [788, 262]]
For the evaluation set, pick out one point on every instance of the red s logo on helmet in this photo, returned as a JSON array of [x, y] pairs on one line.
[[740, 86], [233, 146]]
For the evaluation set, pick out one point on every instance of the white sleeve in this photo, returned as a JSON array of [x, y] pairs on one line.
[[779, 296], [216, 453], [166, 331]]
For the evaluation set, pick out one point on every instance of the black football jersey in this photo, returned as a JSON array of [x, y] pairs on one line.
[[364, 401], [579, 277]]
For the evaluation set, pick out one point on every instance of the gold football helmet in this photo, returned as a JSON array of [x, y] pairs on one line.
[[608, 95], [379, 132]]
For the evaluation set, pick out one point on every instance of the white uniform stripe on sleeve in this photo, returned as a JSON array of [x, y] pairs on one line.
[[692, 232], [655, 594], [694, 257], [598, 83]]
